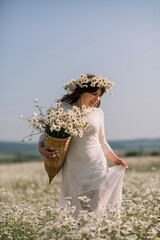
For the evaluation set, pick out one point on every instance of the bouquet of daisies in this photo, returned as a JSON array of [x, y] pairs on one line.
[[59, 126], [57, 122]]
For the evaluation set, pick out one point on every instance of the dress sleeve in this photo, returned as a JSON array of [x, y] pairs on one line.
[[102, 138], [41, 138]]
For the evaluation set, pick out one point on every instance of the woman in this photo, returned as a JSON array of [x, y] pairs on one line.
[[85, 172]]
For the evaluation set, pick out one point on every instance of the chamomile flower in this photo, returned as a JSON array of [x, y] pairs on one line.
[[85, 81]]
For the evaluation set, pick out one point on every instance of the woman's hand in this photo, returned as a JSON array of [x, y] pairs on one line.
[[119, 161], [116, 160], [48, 153]]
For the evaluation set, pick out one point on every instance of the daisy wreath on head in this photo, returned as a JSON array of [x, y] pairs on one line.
[[85, 81]]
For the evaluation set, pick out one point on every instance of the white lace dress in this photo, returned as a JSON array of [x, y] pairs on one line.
[[85, 171]]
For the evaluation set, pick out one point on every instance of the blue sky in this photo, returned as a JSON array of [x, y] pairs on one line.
[[44, 44]]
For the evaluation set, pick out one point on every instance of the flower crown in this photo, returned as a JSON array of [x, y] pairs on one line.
[[95, 81]]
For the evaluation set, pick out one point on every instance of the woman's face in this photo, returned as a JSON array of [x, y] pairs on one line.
[[90, 99]]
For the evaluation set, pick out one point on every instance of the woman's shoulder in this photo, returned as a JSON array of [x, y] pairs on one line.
[[65, 105], [99, 113], [99, 110]]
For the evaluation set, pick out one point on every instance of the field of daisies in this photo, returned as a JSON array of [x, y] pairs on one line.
[[29, 206]]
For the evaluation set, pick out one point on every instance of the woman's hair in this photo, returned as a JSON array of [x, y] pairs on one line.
[[75, 95]]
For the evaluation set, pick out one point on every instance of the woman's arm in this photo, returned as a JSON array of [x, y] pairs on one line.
[[108, 152]]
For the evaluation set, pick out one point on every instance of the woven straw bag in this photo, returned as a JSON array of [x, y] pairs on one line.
[[61, 145]]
